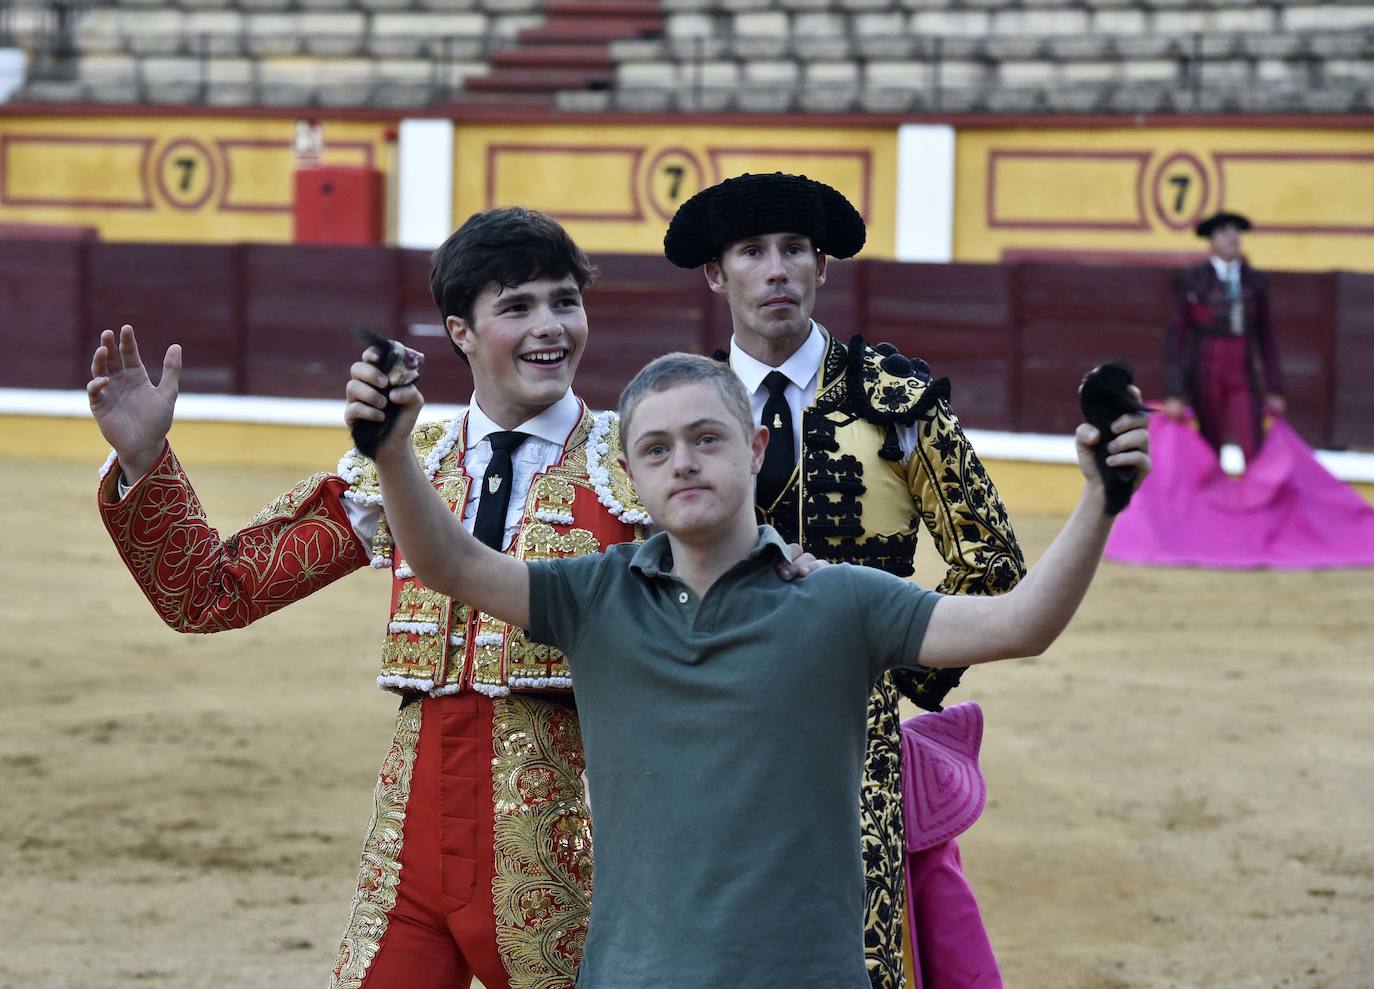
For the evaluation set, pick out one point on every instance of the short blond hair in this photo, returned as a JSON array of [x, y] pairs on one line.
[[672, 370]]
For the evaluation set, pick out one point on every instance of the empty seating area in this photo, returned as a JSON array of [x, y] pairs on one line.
[[776, 56], [996, 56], [390, 53]]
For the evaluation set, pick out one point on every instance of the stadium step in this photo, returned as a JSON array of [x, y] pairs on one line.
[[540, 80], [555, 57], [593, 21], [603, 8], [560, 31], [571, 50]]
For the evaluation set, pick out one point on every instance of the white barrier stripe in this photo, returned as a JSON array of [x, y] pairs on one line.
[[1047, 448], [204, 408]]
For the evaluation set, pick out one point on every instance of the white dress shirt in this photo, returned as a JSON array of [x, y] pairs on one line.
[[803, 373], [548, 433], [802, 370], [1229, 273]]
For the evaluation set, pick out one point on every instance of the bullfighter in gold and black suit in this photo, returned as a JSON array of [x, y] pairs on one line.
[[864, 450]]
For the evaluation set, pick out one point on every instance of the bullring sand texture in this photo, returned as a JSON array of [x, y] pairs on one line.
[[1180, 791]]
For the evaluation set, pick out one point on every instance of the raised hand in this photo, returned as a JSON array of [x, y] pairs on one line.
[[370, 394], [133, 414], [1128, 447]]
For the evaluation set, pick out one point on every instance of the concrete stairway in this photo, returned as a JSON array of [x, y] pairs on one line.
[[570, 51]]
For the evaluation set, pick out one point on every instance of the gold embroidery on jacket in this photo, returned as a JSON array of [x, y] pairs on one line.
[[552, 494], [284, 506], [199, 582], [382, 543], [622, 488], [540, 541], [532, 659], [418, 604], [407, 656], [486, 653], [543, 882], [424, 655], [457, 652], [380, 872], [883, 837]]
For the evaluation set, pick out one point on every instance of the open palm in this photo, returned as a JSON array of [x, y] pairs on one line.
[[133, 414]]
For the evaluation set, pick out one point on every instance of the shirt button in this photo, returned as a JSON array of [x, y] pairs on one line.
[[682, 598]]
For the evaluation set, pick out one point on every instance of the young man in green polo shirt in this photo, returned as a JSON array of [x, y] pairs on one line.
[[724, 724]]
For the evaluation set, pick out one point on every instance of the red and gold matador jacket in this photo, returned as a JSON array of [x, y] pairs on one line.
[[304, 540]]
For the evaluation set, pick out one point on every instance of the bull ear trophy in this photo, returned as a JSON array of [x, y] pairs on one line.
[[401, 365], [1105, 396]]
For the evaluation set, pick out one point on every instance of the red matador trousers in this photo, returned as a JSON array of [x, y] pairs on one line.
[[478, 857], [1224, 394]]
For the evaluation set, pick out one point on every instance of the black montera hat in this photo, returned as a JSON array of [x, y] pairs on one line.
[[751, 205], [1208, 226]]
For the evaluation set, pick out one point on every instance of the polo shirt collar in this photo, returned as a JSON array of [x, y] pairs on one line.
[[800, 369], [555, 424], [649, 559]]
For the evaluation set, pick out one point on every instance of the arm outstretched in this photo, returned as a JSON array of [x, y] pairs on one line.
[[436, 546], [1027, 619]]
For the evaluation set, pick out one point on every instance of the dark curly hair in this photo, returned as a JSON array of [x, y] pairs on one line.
[[506, 246]]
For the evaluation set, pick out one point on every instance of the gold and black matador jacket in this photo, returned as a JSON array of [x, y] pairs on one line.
[[852, 499]]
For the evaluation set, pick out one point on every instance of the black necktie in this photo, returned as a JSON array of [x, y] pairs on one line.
[[781, 455], [494, 498]]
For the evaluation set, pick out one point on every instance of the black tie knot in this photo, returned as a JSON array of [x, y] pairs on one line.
[[506, 442], [776, 382]]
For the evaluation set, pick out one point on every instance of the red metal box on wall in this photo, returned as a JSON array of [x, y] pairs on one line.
[[338, 205]]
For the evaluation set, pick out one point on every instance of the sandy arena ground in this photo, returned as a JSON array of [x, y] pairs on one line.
[[1181, 792]]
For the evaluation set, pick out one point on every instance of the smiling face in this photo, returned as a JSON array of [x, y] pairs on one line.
[[770, 282], [524, 344], [692, 462]]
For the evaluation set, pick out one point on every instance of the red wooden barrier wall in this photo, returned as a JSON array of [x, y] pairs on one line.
[[1014, 339]]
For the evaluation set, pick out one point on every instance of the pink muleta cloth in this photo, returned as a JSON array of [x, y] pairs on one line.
[[942, 786], [1285, 512], [943, 793]]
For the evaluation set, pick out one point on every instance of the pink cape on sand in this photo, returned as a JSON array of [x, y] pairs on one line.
[[1285, 512], [943, 793]]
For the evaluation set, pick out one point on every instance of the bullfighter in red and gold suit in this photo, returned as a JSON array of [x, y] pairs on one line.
[[478, 859], [1220, 353]]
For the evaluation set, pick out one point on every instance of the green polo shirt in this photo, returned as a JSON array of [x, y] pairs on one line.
[[725, 738]]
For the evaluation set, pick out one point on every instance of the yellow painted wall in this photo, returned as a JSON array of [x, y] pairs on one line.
[[1118, 190], [1310, 192], [206, 179], [615, 187]]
